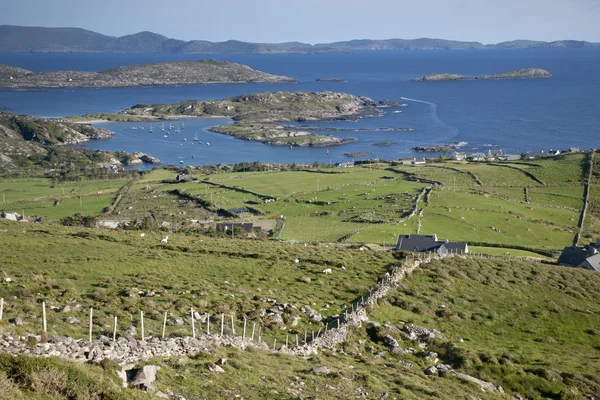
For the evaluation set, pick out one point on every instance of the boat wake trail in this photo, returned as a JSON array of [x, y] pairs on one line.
[[434, 116]]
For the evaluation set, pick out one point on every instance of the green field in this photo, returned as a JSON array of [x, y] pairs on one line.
[[368, 204]]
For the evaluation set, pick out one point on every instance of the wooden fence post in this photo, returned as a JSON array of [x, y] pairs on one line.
[[274, 343], [115, 329], [1, 308], [44, 316], [208, 325], [305, 333], [164, 326], [142, 321], [253, 326], [244, 333], [232, 326], [222, 323], [91, 316], [193, 324]]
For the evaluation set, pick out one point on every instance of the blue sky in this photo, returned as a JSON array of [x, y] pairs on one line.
[[317, 21]]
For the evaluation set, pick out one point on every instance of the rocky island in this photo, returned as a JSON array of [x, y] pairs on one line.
[[155, 74], [526, 73], [258, 116]]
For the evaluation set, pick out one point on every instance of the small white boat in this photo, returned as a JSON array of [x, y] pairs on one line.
[[163, 127], [151, 129], [180, 162], [134, 127], [184, 139], [208, 144], [182, 125], [166, 136], [196, 137]]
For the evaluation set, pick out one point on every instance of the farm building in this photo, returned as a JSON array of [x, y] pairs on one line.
[[418, 161], [587, 257], [424, 243], [459, 156], [183, 177], [477, 157], [249, 228]]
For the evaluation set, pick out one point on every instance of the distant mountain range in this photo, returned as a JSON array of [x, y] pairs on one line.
[[36, 39]]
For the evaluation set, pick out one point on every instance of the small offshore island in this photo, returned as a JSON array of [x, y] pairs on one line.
[[526, 73], [155, 74], [257, 116]]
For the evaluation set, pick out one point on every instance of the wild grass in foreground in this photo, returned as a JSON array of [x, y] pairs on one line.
[[532, 328]]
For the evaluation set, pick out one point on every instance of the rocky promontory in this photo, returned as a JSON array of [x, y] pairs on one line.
[[155, 74], [526, 73], [47, 142]]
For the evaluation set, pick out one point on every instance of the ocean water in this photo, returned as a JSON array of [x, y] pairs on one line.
[[513, 115]]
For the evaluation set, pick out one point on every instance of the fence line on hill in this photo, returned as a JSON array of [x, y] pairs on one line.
[[250, 333]]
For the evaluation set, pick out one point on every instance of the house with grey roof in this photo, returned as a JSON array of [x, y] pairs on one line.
[[587, 257], [430, 243]]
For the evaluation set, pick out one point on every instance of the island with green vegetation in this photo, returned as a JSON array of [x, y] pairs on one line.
[[154, 74], [181, 307], [526, 73], [258, 116]]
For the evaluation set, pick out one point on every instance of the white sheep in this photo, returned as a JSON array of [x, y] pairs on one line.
[[296, 261], [165, 239], [142, 234], [343, 268], [327, 271]]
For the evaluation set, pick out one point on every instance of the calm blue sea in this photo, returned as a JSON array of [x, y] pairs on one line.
[[515, 116]]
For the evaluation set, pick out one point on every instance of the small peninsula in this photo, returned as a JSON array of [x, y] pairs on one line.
[[258, 116], [154, 74], [526, 73], [26, 140]]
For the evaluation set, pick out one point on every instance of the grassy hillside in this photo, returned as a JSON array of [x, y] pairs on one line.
[[529, 327], [532, 328]]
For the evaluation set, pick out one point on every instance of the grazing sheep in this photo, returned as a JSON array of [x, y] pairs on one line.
[[296, 261], [327, 271], [165, 239], [343, 268], [142, 234]]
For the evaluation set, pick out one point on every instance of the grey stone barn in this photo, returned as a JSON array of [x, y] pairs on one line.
[[425, 243]]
